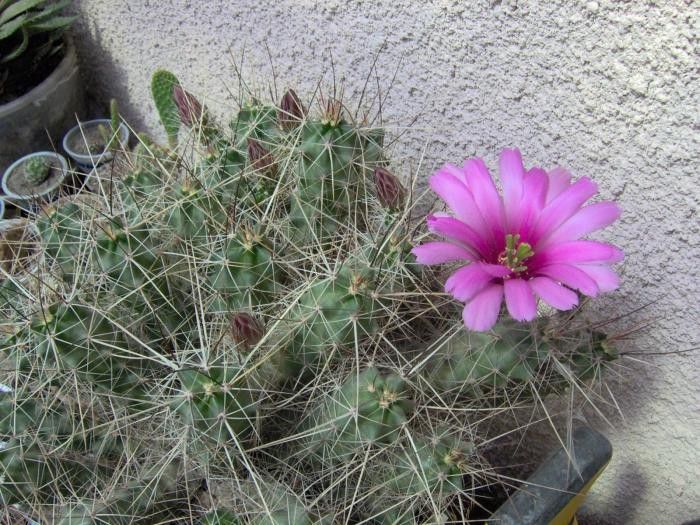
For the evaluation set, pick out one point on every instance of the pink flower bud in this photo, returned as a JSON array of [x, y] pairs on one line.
[[291, 111], [259, 157], [246, 329], [190, 109], [389, 190]]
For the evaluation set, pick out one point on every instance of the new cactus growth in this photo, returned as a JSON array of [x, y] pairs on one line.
[[243, 310], [37, 170], [163, 86]]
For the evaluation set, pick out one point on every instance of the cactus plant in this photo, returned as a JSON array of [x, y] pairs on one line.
[[37, 170], [245, 312]]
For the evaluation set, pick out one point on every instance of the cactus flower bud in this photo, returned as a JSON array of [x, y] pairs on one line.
[[291, 111], [258, 156], [389, 190], [333, 112], [246, 329], [190, 109]]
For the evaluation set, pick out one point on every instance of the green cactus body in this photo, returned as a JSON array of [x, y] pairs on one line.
[[37, 170], [162, 85], [368, 408], [142, 189], [329, 314], [334, 160], [63, 237], [472, 360], [37, 435], [221, 172], [422, 474], [256, 121], [216, 403], [127, 257], [79, 339], [192, 210], [148, 496], [220, 517], [23, 471], [518, 354], [243, 272], [429, 467]]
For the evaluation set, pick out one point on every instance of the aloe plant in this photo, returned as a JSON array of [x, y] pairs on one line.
[[31, 40]]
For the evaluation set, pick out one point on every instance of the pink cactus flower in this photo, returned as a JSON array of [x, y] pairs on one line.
[[524, 245]]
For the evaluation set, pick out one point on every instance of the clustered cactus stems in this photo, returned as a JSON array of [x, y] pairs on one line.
[[37, 170], [248, 315]]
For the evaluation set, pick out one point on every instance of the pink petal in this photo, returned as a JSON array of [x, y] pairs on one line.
[[563, 206], [559, 180], [458, 197], [605, 278], [553, 293], [439, 252], [485, 195], [459, 231], [482, 311], [520, 300], [511, 171], [575, 252], [572, 277], [466, 282], [457, 172], [534, 192], [585, 221], [469, 280]]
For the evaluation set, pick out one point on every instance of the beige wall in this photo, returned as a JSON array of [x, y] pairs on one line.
[[606, 88]]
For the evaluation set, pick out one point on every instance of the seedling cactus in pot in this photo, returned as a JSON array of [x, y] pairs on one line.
[[94, 142], [35, 178], [241, 333]]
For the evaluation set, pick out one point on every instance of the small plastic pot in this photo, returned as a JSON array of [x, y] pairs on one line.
[[79, 143], [46, 191]]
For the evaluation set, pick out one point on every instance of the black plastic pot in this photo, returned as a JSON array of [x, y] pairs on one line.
[[37, 120], [558, 487]]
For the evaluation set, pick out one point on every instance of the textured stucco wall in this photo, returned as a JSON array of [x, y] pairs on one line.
[[606, 88]]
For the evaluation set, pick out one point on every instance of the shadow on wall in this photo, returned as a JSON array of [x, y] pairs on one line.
[[630, 480], [96, 64]]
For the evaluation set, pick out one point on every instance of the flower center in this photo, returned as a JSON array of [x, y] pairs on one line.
[[515, 253]]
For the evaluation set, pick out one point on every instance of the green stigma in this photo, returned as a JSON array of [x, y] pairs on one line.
[[515, 253]]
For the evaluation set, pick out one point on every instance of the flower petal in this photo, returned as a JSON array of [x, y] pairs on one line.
[[572, 277], [511, 172], [553, 293], [459, 199], [481, 313], [534, 193], [585, 221], [559, 180], [485, 195], [605, 278], [563, 206], [459, 231], [466, 282], [520, 299], [469, 280], [439, 252], [575, 252]]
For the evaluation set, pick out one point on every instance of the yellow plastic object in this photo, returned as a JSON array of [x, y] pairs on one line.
[[566, 515]]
